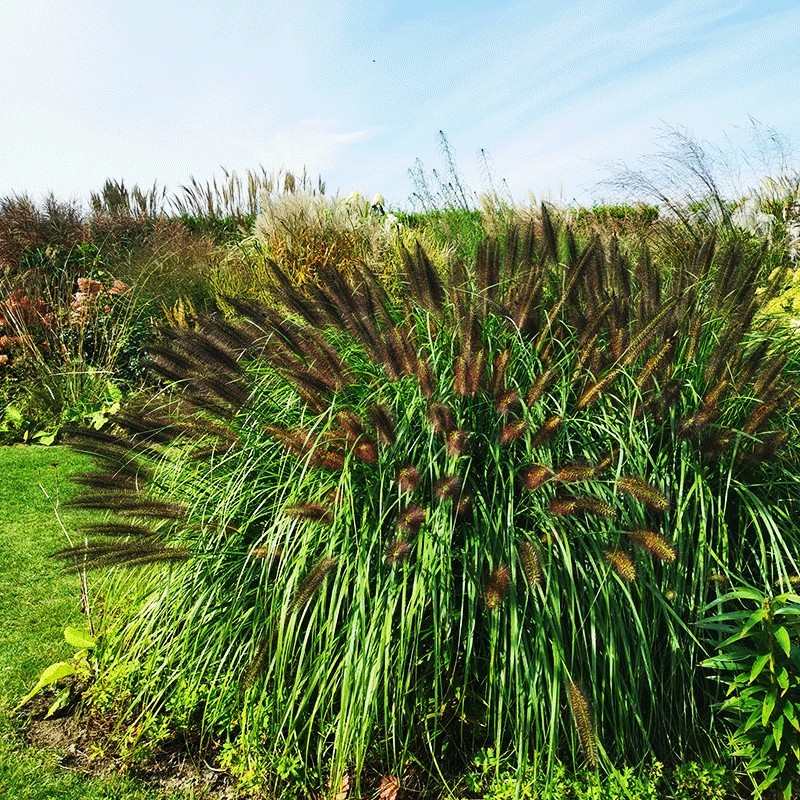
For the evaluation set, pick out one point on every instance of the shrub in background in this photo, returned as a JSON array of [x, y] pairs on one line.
[[486, 514], [69, 359], [308, 233]]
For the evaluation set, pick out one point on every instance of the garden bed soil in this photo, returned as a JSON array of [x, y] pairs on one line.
[[178, 765]]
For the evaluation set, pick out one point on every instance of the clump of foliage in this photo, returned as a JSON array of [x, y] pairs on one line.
[[761, 649], [486, 511], [691, 780], [69, 359], [308, 233]]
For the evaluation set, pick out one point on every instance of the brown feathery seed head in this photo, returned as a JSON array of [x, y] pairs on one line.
[[441, 418], [366, 451], [770, 445], [606, 461], [568, 506], [531, 560], [499, 369], [539, 386], [715, 442], [621, 563], [654, 363], [267, 553], [575, 472], [312, 582], [427, 385], [327, 459], [655, 543], [714, 395], [759, 416], [313, 512], [563, 506], [464, 507], [512, 431], [618, 342], [643, 492], [768, 374], [497, 586], [687, 427], [390, 361], [595, 390], [475, 370], [691, 425], [408, 478], [585, 356], [508, 401], [460, 376], [384, 425], [582, 717], [397, 551], [412, 519], [297, 440], [129, 504], [118, 529], [122, 554], [704, 417], [448, 487], [401, 341], [546, 430], [350, 424], [457, 443], [535, 476]]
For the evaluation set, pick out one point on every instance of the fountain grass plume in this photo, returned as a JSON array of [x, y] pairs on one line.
[[367, 501]]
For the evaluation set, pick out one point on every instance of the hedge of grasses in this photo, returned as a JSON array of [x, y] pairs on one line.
[[380, 530]]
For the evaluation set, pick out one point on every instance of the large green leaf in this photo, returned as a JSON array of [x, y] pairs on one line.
[[782, 638], [55, 672], [80, 640]]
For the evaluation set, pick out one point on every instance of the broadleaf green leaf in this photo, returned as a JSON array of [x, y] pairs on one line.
[[782, 638], [79, 639], [758, 666], [55, 672], [769, 705]]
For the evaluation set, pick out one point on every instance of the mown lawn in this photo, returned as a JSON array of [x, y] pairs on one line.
[[37, 600]]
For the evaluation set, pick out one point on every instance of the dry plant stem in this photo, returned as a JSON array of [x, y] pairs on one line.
[[86, 608]]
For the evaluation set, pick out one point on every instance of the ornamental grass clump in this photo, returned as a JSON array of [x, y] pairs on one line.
[[486, 514]]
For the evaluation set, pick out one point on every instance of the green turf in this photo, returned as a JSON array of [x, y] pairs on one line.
[[37, 600]]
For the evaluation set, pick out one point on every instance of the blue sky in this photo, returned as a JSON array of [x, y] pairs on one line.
[[161, 90]]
